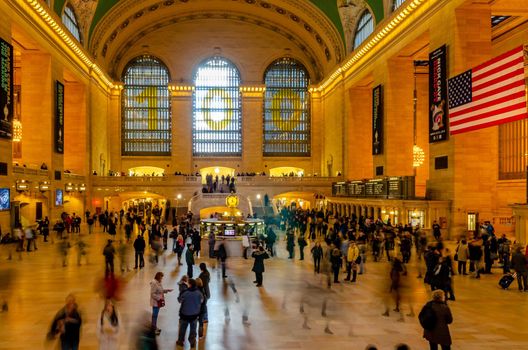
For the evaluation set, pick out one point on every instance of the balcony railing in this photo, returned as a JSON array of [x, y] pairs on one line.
[[241, 181]]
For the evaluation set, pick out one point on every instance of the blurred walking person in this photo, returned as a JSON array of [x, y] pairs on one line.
[[108, 328], [67, 325], [222, 256], [81, 251]]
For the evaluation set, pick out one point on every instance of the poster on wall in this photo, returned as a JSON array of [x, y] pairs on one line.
[[59, 117], [377, 120], [6, 89], [438, 95]]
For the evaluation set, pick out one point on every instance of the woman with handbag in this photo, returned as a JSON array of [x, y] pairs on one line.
[[157, 299]]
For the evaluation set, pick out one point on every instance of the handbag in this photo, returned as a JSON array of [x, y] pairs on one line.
[[456, 257], [161, 302]]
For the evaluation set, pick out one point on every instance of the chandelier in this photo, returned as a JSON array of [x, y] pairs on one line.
[[418, 156]]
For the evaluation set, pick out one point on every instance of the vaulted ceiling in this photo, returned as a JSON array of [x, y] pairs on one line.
[[115, 31]]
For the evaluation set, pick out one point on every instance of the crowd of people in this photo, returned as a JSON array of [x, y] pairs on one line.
[[339, 248]]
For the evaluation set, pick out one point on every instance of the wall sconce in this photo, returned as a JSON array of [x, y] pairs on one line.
[[68, 187], [43, 186], [22, 185], [82, 187]]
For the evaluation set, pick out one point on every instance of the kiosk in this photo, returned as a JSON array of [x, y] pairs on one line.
[[231, 227]]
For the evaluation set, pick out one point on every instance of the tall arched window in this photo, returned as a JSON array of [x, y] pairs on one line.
[[286, 109], [217, 122], [146, 112], [364, 29], [396, 4], [70, 21]]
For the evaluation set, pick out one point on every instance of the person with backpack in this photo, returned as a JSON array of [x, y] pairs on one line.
[[435, 318]]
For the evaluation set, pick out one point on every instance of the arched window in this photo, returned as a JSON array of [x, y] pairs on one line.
[[217, 122], [364, 29], [146, 112], [286, 109], [70, 21], [396, 4]]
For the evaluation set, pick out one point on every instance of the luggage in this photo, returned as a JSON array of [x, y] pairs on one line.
[[507, 280]]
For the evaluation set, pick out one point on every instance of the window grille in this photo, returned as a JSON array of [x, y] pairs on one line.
[[513, 150], [286, 109], [364, 29], [70, 21], [496, 20], [146, 108], [396, 4], [217, 122]]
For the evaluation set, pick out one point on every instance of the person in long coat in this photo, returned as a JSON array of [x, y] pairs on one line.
[[440, 335], [258, 264]]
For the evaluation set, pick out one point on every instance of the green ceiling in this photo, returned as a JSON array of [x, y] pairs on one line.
[[329, 7]]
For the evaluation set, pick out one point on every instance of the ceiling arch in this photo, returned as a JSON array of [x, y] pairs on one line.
[[303, 24], [166, 43], [124, 52]]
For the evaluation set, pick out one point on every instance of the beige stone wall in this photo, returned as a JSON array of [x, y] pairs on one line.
[[99, 130], [75, 128], [333, 132], [359, 135]]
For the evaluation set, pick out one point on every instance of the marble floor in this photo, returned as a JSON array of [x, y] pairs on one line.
[[485, 317]]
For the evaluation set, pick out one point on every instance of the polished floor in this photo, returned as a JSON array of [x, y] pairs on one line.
[[485, 317]]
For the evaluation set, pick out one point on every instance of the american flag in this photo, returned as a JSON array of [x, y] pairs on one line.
[[488, 95]]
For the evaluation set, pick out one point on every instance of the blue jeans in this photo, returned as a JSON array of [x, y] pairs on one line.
[[155, 312], [183, 328]]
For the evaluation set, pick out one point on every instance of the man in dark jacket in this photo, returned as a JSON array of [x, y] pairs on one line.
[[139, 248], [191, 302], [109, 252], [189, 260], [258, 265], [519, 265]]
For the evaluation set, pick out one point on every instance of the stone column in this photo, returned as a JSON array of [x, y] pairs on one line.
[[181, 103], [469, 187], [252, 130]]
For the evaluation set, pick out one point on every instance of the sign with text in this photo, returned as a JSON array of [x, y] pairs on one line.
[[59, 117], [438, 95], [6, 89], [377, 120], [395, 187]]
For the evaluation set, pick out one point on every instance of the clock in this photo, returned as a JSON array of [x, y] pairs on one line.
[[232, 201]]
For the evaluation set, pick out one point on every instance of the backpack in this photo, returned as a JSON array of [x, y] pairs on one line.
[[427, 317]]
